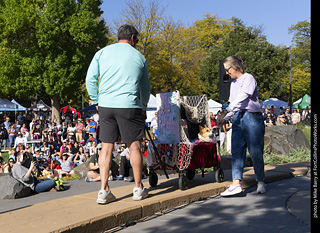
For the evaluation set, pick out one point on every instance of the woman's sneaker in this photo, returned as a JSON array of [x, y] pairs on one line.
[[232, 191], [261, 187], [139, 194], [105, 197]]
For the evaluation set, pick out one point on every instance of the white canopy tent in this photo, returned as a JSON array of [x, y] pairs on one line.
[[151, 108], [214, 106]]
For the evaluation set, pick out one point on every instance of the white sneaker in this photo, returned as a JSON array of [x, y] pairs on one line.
[[105, 197], [261, 187], [232, 191], [139, 194]]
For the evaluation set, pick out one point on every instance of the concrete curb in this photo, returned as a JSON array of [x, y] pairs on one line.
[[80, 213]]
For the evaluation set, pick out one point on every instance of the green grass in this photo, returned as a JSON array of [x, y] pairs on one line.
[[5, 156], [306, 129], [299, 155]]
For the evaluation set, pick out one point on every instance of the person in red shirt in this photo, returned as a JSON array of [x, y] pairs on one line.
[[214, 124]]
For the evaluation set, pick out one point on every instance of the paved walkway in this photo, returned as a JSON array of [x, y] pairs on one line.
[[80, 213], [247, 212]]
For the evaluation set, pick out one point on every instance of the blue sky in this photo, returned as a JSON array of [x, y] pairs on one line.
[[276, 16]]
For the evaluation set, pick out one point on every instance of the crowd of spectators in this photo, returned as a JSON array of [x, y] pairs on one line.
[[285, 117], [56, 148]]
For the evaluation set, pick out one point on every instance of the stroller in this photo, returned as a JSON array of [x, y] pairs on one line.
[[176, 150]]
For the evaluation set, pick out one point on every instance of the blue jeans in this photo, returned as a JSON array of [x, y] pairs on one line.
[[43, 185], [10, 142], [247, 132]]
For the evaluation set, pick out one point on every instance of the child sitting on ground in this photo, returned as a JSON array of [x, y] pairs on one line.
[[47, 173]]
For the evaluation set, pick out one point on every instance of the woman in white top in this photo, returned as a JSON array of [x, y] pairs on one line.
[[295, 117], [93, 149]]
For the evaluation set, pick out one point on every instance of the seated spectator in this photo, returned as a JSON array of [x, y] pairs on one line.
[[79, 158], [87, 154], [282, 120], [6, 167], [25, 135], [26, 177], [93, 149], [37, 132], [19, 140], [52, 151], [37, 153], [270, 119], [11, 161], [3, 164], [75, 148], [91, 139], [45, 150], [66, 164], [94, 172], [45, 136], [55, 166], [65, 146], [53, 137], [47, 172], [125, 166]]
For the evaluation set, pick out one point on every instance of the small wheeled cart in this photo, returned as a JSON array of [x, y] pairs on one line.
[[176, 149]]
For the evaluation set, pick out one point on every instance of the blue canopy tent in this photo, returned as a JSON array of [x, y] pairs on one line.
[[276, 103], [90, 108], [20, 107], [7, 105]]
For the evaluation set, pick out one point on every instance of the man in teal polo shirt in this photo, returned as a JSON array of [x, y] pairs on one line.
[[123, 78]]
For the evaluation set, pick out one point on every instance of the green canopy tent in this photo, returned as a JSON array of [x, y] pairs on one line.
[[305, 102]]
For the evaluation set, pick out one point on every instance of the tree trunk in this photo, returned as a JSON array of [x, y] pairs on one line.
[[55, 104]]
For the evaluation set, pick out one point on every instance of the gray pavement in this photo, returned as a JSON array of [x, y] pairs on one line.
[[74, 187], [284, 208]]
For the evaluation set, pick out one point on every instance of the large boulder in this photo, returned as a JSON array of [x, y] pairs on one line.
[[10, 188], [82, 170], [284, 139]]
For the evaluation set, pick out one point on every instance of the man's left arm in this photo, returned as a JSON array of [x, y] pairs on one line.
[[145, 87]]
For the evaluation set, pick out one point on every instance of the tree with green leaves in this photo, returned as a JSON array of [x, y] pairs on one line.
[[173, 52], [47, 45], [266, 62], [301, 59]]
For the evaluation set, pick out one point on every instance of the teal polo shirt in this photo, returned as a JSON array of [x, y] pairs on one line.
[[123, 77]]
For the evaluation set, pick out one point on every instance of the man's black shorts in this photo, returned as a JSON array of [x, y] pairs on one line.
[[125, 122]]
